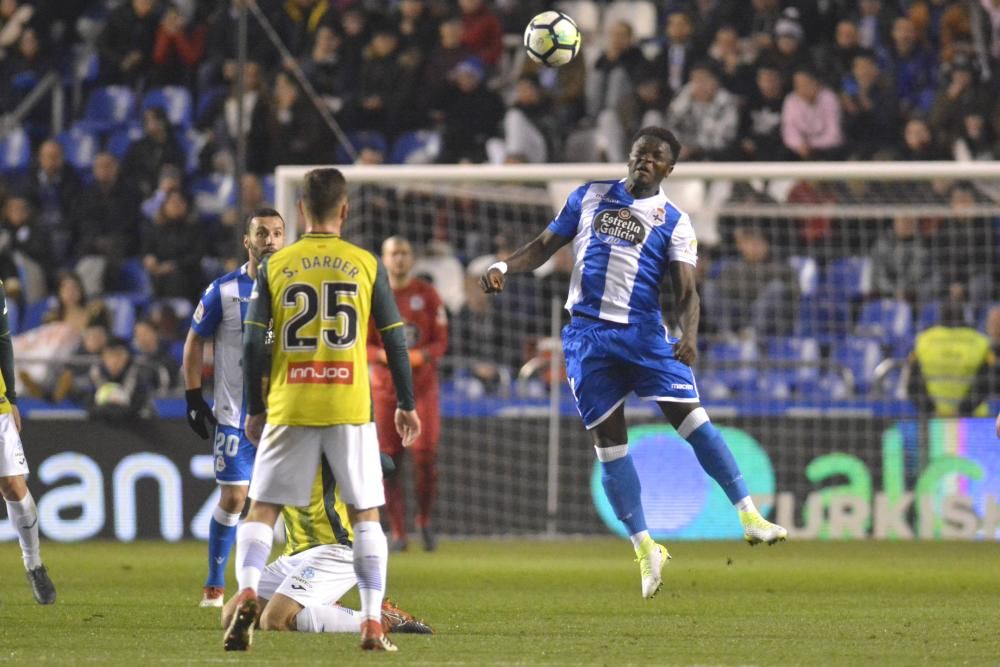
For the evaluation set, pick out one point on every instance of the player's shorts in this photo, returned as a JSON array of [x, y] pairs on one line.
[[429, 411], [234, 456], [12, 461], [288, 458], [317, 576], [605, 362]]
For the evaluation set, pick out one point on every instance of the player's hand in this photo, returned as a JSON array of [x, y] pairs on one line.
[[254, 427], [16, 414], [199, 414], [407, 426], [493, 281], [686, 351]]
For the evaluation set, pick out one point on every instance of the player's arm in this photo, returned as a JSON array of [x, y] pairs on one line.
[[255, 352], [7, 359], [526, 258], [385, 312], [687, 307], [206, 319]]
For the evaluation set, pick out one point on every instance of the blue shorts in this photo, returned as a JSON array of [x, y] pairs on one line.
[[234, 455], [605, 362]]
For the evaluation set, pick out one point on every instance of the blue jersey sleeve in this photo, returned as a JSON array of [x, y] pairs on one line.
[[568, 220], [208, 314]]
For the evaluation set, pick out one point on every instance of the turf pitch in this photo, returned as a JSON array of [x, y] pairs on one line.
[[545, 602]]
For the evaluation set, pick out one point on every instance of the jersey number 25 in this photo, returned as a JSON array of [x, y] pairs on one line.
[[343, 316]]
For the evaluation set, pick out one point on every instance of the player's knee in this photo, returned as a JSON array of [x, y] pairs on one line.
[[232, 498], [13, 488], [278, 618]]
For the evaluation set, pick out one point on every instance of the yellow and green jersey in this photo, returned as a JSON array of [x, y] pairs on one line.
[[7, 395], [320, 293], [950, 358], [323, 521]]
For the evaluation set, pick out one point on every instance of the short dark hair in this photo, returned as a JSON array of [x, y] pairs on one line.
[[264, 212], [664, 135], [323, 191]]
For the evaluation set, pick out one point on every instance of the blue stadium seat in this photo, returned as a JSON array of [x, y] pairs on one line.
[[930, 314], [108, 108], [730, 364], [122, 313], [890, 321], [807, 271], [33, 314], [134, 282], [860, 356], [823, 316], [798, 358], [213, 195], [175, 100], [374, 140], [15, 151], [80, 148], [206, 100], [13, 317], [849, 277], [191, 144], [269, 188], [410, 145], [122, 138]]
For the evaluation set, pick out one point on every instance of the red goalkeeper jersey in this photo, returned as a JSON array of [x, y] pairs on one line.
[[426, 325]]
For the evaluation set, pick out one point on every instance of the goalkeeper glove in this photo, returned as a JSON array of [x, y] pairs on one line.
[[198, 412]]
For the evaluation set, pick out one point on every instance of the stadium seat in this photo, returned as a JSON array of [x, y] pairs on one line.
[[80, 147], [206, 101], [730, 364], [420, 147], [890, 321], [823, 316], [930, 314], [807, 271], [107, 109], [121, 138], [213, 194], [122, 313], [191, 144], [13, 317], [134, 283], [860, 356], [795, 362], [640, 14], [33, 314], [373, 140], [269, 187], [175, 100], [849, 277], [15, 151], [585, 14]]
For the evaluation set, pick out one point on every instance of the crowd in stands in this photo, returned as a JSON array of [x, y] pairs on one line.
[[132, 207]]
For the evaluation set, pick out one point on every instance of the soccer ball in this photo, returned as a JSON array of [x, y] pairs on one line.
[[552, 38]]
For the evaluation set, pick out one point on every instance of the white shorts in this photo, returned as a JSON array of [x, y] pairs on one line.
[[12, 461], [288, 460], [314, 577]]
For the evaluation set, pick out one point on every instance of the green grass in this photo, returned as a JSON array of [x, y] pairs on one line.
[[563, 602]]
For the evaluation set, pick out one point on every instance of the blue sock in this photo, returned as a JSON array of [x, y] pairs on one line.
[[621, 484], [221, 537], [714, 455]]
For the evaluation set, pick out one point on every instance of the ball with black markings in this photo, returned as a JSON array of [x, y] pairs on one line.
[[552, 38]]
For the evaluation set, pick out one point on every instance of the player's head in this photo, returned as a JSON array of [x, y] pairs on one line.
[[264, 233], [324, 197], [653, 155], [397, 255]]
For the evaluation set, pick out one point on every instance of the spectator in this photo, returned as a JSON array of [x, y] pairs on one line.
[[323, 66], [355, 34], [15, 17], [120, 388], [704, 116], [975, 140], [919, 143], [731, 62], [527, 126], [178, 50], [874, 25], [673, 64], [22, 71], [107, 226], [755, 292], [291, 132], [55, 188], [962, 92], [173, 249], [945, 365], [901, 263], [964, 248], [157, 147], [153, 354], [788, 53], [760, 120], [126, 44], [482, 34], [73, 308], [810, 119], [837, 59], [912, 69], [615, 73], [379, 84], [869, 104], [448, 53], [469, 114], [21, 236], [219, 121], [219, 65], [171, 179], [643, 107], [416, 27], [763, 17], [73, 382], [298, 21]]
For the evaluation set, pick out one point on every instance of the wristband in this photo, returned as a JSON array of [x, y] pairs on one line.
[[499, 266]]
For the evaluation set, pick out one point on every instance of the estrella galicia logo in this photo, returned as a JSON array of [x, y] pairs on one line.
[[619, 227]]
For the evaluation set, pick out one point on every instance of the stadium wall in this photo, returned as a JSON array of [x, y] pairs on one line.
[[838, 477]]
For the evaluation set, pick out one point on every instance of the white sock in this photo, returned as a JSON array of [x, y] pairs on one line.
[[745, 504], [253, 546], [224, 517], [24, 516], [333, 618], [371, 560], [638, 538]]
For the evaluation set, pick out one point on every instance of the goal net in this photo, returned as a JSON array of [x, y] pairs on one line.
[[816, 281]]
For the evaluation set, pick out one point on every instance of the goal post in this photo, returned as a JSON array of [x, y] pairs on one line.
[[807, 328]]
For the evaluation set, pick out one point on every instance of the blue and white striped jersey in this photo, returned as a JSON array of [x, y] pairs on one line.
[[622, 248], [220, 315]]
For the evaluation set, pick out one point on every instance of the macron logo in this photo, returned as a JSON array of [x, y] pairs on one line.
[[320, 372]]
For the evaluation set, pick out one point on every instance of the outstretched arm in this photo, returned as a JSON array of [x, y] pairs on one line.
[[526, 258], [687, 307]]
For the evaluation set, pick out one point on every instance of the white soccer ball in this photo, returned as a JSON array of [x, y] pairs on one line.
[[552, 38]]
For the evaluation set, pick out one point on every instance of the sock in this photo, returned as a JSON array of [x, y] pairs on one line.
[[713, 454], [24, 517], [333, 618], [639, 538], [746, 505], [221, 535], [621, 484], [371, 560], [253, 546]]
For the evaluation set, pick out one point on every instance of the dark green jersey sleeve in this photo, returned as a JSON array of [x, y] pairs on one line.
[[255, 351], [6, 349], [385, 312]]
